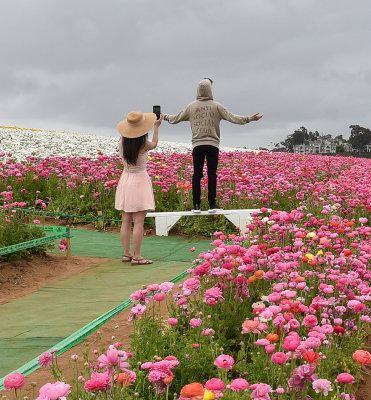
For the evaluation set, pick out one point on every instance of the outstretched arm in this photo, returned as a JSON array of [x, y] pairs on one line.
[[236, 119], [174, 119]]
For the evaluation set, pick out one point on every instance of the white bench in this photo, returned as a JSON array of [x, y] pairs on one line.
[[164, 221]]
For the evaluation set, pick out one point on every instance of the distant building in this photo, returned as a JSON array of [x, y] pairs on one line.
[[368, 148], [323, 145]]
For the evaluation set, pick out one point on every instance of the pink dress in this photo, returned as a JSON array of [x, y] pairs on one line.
[[134, 191]]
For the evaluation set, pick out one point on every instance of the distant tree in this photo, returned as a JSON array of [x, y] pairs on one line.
[[299, 136], [359, 137]]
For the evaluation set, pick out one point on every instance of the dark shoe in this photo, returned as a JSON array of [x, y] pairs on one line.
[[214, 207], [196, 208]]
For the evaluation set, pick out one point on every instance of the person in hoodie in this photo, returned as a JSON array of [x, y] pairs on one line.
[[205, 115]]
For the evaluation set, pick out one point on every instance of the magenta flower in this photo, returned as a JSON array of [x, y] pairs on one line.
[[159, 297], [345, 378], [14, 381], [172, 321], [46, 359], [279, 358]]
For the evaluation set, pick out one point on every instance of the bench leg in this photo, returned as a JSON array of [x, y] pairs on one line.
[[239, 221], [164, 224]]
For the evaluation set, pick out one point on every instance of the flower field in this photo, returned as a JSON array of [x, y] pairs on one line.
[[280, 311]]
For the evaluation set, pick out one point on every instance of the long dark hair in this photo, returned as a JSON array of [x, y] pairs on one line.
[[131, 148]]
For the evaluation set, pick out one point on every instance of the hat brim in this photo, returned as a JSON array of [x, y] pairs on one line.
[[128, 130]]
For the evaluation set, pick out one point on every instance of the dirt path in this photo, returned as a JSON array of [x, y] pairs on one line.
[[25, 276]]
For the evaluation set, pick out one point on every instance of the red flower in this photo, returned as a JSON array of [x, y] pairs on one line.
[[311, 356], [339, 330]]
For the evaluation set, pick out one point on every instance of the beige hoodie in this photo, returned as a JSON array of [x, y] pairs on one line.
[[205, 115]]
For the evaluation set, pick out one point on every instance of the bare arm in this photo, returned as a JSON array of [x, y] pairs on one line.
[[150, 145]]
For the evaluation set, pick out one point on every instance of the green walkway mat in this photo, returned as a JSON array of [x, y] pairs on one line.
[[85, 242], [36, 322]]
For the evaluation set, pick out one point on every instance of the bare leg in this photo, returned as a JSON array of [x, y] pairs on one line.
[[125, 232], [138, 219]]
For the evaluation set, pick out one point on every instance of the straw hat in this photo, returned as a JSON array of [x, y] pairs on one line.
[[136, 124]]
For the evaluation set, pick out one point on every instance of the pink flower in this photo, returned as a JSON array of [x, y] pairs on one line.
[[45, 359], [54, 391], [270, 348], [159, 297], [224, 361], [113, 357], [138, 310], [345, 378], [14, 381], [166, 287], [322, 386], [260, 391], [250, 326], [291, 343], [195, 322], [191, 286], [172, 321], [153, 288], [262, 342], [215, 385], [192, 249], [239, 384], [213, 295], [310, 321], [279, 358], [98, 381]]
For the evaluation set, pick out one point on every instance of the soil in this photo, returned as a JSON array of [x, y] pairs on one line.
[[26, 276]]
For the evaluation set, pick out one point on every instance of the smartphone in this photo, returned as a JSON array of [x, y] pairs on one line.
[[157, 111]]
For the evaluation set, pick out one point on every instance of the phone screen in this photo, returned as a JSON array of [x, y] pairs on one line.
[[157, 111]]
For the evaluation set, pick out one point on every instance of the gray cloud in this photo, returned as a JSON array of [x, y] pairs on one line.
[[82, 65]]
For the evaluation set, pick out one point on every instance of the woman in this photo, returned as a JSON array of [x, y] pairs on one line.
[[134, 193]]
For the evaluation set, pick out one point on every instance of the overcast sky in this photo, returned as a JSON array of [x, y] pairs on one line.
[[82, 65]]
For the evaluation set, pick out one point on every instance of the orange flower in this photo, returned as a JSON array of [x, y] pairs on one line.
[[252, 279], [259, 273], [124, 379], [362, 356], [300, 279], [168, 380], [273, 337], [192, 390], [350, 223]]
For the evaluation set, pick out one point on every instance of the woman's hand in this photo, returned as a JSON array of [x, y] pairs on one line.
[[158, 121]]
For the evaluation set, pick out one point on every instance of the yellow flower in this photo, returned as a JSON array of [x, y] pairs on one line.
[[310, 235], [150, 158], [319, 253], [309, 256], [209, 395], [164, 165], [157, 177]]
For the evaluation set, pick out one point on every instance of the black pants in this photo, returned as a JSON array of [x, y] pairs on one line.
[[211, 153]]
